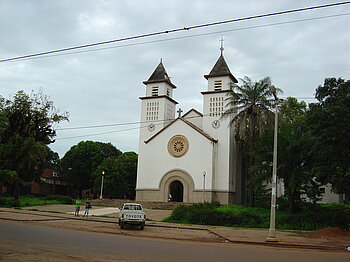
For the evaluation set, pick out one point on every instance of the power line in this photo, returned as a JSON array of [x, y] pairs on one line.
[[97, 134], [143, 122], [189, 36], [117, 131], [175, 30], [96, 126], [157, 122]]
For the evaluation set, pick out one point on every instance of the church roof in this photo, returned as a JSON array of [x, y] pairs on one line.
[[199, 130], [159, 75], [189, 124], [221, 69], [193, 110]]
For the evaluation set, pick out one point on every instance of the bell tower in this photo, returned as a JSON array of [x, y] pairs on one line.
[[157, 111], [158, 106], [219, 81], [224, 171]]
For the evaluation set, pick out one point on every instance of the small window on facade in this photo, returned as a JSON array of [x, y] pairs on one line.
[[155, 91], [168, 92], [54, 174], [217, 85], [322, 190]]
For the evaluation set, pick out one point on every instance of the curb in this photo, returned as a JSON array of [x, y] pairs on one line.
[[285, 245], [57, 217]]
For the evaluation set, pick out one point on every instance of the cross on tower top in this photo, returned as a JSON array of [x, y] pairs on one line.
[[222, 45], [179, 111]]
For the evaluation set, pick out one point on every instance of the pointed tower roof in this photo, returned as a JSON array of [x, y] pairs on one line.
[[159, 75], [221, 69]]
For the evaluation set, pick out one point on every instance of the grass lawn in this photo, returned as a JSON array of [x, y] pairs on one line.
[[29, 200]]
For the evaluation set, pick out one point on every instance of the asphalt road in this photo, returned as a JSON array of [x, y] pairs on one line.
[[39, 243]]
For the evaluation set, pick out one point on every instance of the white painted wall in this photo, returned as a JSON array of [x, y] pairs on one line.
[[223, 161], [155, 160], [162, 89], [195, 119], [225, 82], [327, 197]]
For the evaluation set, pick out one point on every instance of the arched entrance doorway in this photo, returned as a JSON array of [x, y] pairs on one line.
[[186, 186], [176, 191]]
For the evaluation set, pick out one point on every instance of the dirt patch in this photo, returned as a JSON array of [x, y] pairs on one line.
[[331, 232]]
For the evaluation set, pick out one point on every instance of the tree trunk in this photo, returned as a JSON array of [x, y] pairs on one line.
[[252, 159], [293, 197], [244, 186], [16, 191]]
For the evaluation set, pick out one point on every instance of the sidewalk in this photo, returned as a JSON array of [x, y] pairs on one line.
[[108, 224]]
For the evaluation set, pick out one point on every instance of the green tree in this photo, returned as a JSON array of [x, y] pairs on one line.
[[329, 123], [53, 160], [25, 131], [294, 143], [293, 147], [249, 106], [83, 159], [120, 176]]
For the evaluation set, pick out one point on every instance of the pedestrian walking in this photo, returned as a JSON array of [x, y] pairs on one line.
[[87, 209], [77, 207]]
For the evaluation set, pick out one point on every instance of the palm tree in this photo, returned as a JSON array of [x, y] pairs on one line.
[[249, 107]]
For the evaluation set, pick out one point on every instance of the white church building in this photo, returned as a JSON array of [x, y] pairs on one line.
[[191, 157]]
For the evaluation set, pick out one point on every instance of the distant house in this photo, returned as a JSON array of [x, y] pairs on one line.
[[327, 195], [52, 182]]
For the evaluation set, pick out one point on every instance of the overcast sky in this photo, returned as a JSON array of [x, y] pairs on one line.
[[103, 87]]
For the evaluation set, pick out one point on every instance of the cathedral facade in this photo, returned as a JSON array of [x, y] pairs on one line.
[[191, 157]]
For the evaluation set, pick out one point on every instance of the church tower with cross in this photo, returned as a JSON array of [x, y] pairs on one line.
[[187, 157]]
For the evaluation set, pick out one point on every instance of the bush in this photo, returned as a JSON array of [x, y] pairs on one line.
[[61, 198], [179, 214], [250, 219], [213, 217], [9, 202], [203, 214], [311, 217]]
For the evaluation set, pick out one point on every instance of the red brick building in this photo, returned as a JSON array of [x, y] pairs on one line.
[[52, 182]]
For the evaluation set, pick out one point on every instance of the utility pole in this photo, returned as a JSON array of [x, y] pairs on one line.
[[204, 173], [272, 230], [103, 175]]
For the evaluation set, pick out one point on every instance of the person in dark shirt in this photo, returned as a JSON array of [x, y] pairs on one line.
[[87, 208]]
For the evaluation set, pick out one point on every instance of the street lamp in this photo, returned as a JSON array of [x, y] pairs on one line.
[[272, 230], [103, 175], [204, 173]]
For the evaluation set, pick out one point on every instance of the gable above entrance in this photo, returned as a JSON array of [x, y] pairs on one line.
[[188, 123]]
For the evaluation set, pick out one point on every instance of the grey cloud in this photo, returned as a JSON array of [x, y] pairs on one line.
[[103, 87]]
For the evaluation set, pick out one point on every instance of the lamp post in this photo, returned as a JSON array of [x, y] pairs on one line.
[[272, 230], [204, 173], [103, 175]]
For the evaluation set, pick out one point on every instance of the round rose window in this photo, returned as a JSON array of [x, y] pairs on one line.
[[177, 146]]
